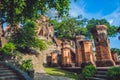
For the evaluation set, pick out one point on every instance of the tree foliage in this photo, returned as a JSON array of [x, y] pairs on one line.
[[69, 27], [27, 65], [15, 11], [112, 30], [26, 37]]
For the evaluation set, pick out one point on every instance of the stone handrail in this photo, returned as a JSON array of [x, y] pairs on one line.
[[17, 70]]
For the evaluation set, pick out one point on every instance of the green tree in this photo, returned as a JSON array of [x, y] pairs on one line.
[[16, 11], [112, 30], [69, 27], [26, 37]]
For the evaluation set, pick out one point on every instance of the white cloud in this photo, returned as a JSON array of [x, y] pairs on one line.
[[76, 10], [110, 21], [114, 17]]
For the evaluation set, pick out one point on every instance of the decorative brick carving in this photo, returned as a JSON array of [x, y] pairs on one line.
[[103, 54], [45, 29], [58, 42]]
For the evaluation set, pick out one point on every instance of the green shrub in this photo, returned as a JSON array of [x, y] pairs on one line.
[[88, 71], [49, 42], [8, 49], [114, 73], [41, 44], [27, 65]]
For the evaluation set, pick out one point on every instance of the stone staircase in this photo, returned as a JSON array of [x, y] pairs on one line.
[[100, 74], [9, 73]]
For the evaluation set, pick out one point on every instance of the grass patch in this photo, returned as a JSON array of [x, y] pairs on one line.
[[59, 72]]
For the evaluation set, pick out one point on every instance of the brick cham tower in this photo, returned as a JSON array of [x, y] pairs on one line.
[[103, 54]]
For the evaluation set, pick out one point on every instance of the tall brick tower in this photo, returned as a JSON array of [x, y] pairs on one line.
[[103, 54]]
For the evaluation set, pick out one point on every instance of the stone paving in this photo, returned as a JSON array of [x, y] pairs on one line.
[[44, 76]]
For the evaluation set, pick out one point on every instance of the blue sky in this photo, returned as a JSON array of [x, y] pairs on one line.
[[98, 9]]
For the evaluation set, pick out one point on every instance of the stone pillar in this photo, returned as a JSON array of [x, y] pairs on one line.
[[87, 53], [103, 54], [78, 50], [66, 55], [54, 59]]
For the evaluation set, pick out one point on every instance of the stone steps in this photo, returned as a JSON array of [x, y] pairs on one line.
[[8, 77], [100, 74], [95, 78], [7, 74]]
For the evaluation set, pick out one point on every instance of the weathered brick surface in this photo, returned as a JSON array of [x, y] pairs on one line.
[[1, 30], [87, 52], [45, 29], [78, 49], [78, 57], [3, 40], [54, 59], [114, 56], [103, 54], [66, 55], [58, 42], [84, 52]]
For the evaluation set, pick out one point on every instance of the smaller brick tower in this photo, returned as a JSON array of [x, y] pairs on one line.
[[103, 54], [78, 50], [66, 55], [87, 53], [115, 57], [54, 59]]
